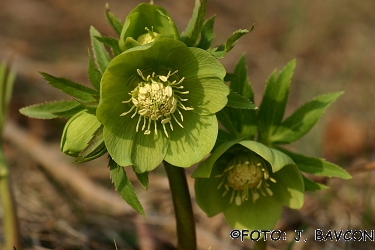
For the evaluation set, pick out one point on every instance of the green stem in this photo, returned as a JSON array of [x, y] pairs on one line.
[[182, 206], [11, 232], [261, 244]]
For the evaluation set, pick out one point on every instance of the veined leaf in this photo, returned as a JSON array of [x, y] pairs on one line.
[[238, 101], [93, 73], [207, 34], [142, 178], [111, 42], [303, 119], [115, 23], [220, 51], [100, 53], [194, 28], [71, 88], [317, 166], [272, 108], [50, 110], [124, 186], [313, 186]]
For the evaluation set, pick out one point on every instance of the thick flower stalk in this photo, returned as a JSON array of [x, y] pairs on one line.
[[249, 183], [158, 102]]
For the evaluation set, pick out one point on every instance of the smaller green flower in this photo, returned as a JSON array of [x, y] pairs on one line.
[[144, 23], [77, 133], [249, 183]]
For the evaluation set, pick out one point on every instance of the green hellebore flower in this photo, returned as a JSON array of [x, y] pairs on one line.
[[249, 183], [78, 131], [158, 102], [144, 23]]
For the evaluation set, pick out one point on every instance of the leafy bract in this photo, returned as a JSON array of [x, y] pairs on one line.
[[100, 53], [124, 186], [239, 102], [79, 91], [311, 185], [303, 119], [194, 28], [113, 20], [51, 110], [93, 73], [272, 108], [317, 166], [207, 34]]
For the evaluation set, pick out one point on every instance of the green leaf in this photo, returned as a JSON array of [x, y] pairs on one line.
[[124, 186], [142, 178], [317, 166], [313, 186], [79, 91], [207, 34], [93, 73], [194, 28], [275, 158], [220, 51], [50, 110], [240, 82], [205, 167], [272, 108], [100, 53], [303, 119], [112, 42], [113, 20], [95, 147], [240, 102]]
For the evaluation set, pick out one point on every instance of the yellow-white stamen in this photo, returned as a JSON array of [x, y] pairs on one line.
[[244, 173], [157, 97]]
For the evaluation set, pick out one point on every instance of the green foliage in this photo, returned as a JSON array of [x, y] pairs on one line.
[[100, 53], [114, 21], [51, 110], [194, 28], [124, 186]]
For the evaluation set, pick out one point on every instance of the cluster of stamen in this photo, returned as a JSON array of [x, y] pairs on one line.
[[156, 97], [246, 173]]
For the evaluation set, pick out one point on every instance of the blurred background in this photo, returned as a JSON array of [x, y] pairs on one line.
[[334, 44]]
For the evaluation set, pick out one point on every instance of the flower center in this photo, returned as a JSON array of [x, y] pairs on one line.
[[157, 97], [246, 173], [147, 37]]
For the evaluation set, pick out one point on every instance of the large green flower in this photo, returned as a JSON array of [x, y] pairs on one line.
[[249, 183], [158, 101]]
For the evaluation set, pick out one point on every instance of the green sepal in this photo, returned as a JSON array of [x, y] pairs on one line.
[[194, 27], [149, 16], [142, 178], [207, 34], [220, 51], [93, 73], [95, 147], [274, 157], [115, 22], [205, 167], [124, 186], [79, 91], [303, 119], [100, 53], [272, 108], [312, 186], [51, 110], [110, 42], [317, 166], [238, 101]]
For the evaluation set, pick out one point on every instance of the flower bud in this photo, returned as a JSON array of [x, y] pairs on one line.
[[78, 132]]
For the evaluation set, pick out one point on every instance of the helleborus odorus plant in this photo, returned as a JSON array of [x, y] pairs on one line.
[[158, 102], [249, 181], [144, 23]]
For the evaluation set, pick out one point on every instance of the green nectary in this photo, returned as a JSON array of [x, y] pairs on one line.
[[158, 102]]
